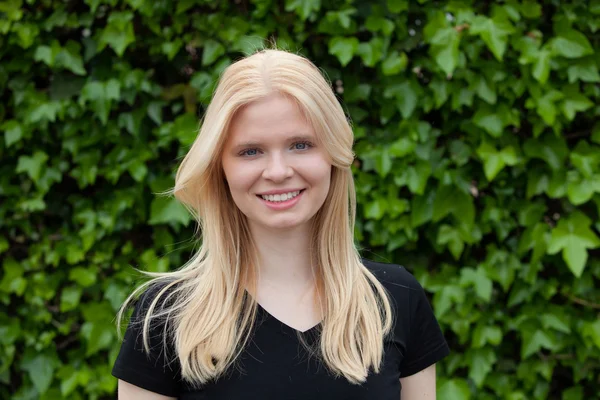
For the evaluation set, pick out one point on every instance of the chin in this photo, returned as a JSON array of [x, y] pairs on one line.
[[282, 224]]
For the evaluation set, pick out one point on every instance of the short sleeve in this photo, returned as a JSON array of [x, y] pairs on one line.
[[426, 343], [157, 371]]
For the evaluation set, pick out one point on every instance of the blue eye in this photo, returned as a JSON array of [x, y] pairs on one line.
[[302, 146], [249, 152]]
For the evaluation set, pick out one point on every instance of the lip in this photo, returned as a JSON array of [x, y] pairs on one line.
[[272, 192], [282, 205]]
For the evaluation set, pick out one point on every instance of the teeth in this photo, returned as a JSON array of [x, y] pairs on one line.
[[281, 197]]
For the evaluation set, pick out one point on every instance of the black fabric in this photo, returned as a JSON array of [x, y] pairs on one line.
[[275, 365]]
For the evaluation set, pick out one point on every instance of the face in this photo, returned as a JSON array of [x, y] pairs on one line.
[[277, 174]]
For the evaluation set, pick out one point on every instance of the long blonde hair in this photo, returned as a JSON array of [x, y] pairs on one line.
[[206, 303]]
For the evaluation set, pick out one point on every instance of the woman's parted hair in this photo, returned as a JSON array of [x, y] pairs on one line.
[[209, 312]]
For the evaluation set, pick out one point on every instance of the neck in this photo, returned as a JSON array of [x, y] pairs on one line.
[[284, 256]]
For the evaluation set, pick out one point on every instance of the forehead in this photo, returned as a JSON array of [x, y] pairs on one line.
[[272, 118]]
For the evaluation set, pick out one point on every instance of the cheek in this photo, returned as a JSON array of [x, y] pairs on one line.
[[320, 172], [240, 176]]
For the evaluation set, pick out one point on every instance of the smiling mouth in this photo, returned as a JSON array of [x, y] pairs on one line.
[[280, 198]]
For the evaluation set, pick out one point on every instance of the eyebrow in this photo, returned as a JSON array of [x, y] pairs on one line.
[[295, 138]]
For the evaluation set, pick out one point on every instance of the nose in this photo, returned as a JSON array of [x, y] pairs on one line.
[[277, 168]]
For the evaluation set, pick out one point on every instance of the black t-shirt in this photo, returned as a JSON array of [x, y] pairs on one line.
[[276, 365]]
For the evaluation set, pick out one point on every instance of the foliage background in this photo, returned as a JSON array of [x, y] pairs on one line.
[[478, 167]]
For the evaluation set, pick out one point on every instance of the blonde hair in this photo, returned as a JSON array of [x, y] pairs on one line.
[[210, 313]]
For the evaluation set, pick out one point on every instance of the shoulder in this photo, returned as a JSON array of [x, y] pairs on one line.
[[393, 277]]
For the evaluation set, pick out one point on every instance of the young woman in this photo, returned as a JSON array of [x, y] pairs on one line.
[[277, 303]]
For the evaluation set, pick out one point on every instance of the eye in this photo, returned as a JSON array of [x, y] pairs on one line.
[[248, 152], [302, 145]]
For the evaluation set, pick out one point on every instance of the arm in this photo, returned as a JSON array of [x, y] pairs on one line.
[[127, 391], [420, 386]]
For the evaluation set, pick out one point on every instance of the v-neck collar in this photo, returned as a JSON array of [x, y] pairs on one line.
[[269, 316]]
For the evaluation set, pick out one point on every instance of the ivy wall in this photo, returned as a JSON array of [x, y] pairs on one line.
[[478, 168]]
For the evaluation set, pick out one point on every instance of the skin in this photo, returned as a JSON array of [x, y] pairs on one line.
[[284, 154], [420, 386]]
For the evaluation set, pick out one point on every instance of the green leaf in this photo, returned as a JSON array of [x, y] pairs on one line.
[[537, 182], [531, 9], [479, 280], [445, 49], [486, 334], [99, 336], [83, 276], [69, 379], [185, 128], [482, 361], [450, 200], [418, 176], [445, 298], [489, 121], [571, 44], [138, 170], [112, 89], [69, 299], [494, 161], [12, 9], [408, 99], [118, 34], [557, 185], [573, 393], [402, 147], [304, 8], [26, 34], [584, 70], [440, 90], [170, 49], [211, 51], [13, 132], [32, 165], [394, 63], [549, 148], [383, 162], [573, 237], [541, 66], [375, 24], [421, 209], [70, 58], [484, 90], [397, 6], [165, 210], [47, 54], [249, 44], [155, 112], [454, 389], [343, 48], [376, 209], [372, 52], [574, 103], [556, 322], [41, 370], [44, 112], [13, 280], [591, 330], [494, 32], [535, 237], [535, 341], [447, 235], [580, 189], [586, 158]]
